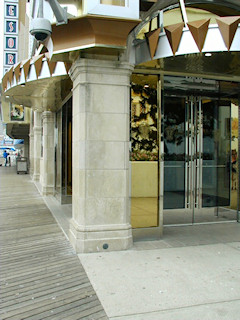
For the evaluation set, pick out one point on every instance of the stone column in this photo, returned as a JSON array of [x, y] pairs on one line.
[[48, 153], [31, 144], [37, 131], [101, 212]]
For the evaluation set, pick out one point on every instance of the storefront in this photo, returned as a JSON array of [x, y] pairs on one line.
[[139, 130], [184, 146]]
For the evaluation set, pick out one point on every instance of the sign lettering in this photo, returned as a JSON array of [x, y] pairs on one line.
[[11, 10], [11, 43], [10, 23], [10, 58], [11, 26]]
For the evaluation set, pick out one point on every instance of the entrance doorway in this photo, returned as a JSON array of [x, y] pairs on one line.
[[197, 160], [184, 152]]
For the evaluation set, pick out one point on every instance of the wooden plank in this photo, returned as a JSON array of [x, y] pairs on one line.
[[41, 276]]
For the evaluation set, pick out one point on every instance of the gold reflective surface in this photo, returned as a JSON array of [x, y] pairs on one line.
[[144, 152]]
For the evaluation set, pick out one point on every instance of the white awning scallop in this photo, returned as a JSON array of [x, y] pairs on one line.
[[37, 83]]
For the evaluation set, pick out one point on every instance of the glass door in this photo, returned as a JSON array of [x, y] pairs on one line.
[[175, 161], [197, 164]]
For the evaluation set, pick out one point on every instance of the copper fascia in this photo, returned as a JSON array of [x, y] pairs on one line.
[[67, 66], [17, 71], [38, 64], [228, 27], [26, 66], [10, 74], [153, 38], [51, 65], [91, 31], [174, 34], [199, 31]]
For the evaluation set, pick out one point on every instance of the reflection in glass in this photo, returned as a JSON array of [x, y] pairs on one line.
[[200, 150], [216, 153], [63, 153], [174, 152], [58, 160], [234, 156], [144, 152], [67, 149]]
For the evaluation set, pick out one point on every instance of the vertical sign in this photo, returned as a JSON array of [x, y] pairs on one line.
[[10, 33]]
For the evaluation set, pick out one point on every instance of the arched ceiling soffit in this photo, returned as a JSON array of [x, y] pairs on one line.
[[192, 37], [38, 83]]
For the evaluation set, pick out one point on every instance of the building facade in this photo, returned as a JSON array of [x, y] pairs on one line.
[[135, 116]]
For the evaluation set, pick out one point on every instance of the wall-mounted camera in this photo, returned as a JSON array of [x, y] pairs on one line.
[[40, 28]]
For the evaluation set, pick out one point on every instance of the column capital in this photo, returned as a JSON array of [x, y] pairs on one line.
[[48, 115], [86, 67], [37, 129]]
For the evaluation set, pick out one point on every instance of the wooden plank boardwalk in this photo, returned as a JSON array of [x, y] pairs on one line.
[[40, 275]]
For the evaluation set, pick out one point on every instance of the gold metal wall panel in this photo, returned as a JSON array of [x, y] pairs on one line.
[[228, 27], [174, 34], [38, 64], [26, 66], [67, 66], [199, 31], [51, 65], [10, 74], [91, 31], [153, 38], [17, 72]]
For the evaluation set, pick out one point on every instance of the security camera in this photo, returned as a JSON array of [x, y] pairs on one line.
[[40, 28]]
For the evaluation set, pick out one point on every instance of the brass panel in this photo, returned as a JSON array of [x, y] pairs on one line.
[[17, 71], [38, 64], [10, 74], [174, 34], [51, 66], [221, 65], [228, 27], [153, 38], [220, 10], [26, 66], [199, 31], [91, 31], [67, 66]]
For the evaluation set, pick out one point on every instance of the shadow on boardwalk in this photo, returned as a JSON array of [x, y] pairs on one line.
[[40, 275]]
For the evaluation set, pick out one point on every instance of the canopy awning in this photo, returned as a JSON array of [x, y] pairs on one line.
[[37, 83]]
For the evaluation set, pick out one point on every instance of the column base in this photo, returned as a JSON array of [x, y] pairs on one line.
[[100, 238], [47, 191], [36, 177]]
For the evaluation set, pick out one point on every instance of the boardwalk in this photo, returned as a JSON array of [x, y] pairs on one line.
[[40, 275]]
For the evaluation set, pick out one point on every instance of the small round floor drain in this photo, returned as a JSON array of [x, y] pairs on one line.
[[105, 246]]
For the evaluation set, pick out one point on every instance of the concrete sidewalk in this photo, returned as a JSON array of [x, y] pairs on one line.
[[194, 273]]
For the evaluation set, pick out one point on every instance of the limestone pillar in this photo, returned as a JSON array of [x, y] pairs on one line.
[[31, 144], [100, 200], [37, 132], [48, 153]]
